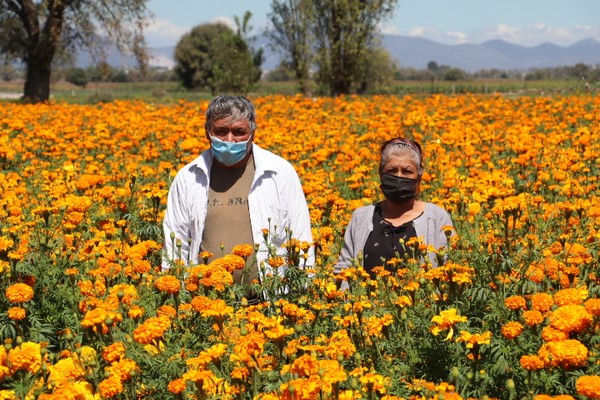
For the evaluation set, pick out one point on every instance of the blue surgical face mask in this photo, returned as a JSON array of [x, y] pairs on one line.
[[228, 153]]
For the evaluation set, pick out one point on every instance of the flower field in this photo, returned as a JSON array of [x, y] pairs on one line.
[[87, 313]]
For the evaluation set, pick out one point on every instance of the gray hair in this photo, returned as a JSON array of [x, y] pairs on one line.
[[402, 147], [235, 108]]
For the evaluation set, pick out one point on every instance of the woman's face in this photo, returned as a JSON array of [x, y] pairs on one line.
[[401, 165]]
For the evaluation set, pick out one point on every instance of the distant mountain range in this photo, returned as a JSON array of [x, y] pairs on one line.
[[412, 52]]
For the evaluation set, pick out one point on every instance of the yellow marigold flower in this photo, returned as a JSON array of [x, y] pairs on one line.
[[511, 330], [19, 293], [589, 386], [570, 296], [167, 284], [26, 357], [135, 312], [531, 362], [533, 317], [571, 318], [113, 352], [475, 339], [243, 250], [65, 370], [446, 321], [403, 301], [110, 387], [16, 313], [566, 354], [542, 302], [515, 303], [374, 381], [5, 243], [176, 386]]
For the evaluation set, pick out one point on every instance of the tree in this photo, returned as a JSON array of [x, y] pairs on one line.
[[34, 31], [291, 22], [336, 36], [76, 76], [213, 56], [345, 33]]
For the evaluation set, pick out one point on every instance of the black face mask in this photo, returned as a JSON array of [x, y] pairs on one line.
[[398, 189]]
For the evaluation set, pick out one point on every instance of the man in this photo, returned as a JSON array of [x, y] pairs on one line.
[[233, 192]]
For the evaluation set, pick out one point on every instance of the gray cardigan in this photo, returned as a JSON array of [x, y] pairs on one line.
[[428, 226]]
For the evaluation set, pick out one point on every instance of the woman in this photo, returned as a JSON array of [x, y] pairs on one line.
[[379, 231]]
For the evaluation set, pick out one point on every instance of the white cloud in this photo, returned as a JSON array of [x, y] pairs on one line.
[[161, 32]]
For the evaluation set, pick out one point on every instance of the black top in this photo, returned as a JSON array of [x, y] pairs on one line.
[[384, 241]]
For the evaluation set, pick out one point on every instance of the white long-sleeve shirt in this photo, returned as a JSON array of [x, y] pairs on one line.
[[276, 201]]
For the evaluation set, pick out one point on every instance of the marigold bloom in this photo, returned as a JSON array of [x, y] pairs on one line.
[[26, 357], [114, 352], [176, 386], [167, 284], [532, 317], [474, 339], [151, 329], [515, 303], [19, 293], [541, 302], [531, 362], [16, 313], [123, 369], [65, 370], [570, 296], [593, 306], [571, 318], [243, 250], [589, 386], [511, 330], [110, 387], [446, 321], [550, 334], [566, 354]]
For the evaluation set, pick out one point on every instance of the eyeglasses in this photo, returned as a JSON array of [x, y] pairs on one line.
[[222, 131]]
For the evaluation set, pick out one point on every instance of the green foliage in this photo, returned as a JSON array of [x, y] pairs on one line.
[[76, 76], [213, 56]]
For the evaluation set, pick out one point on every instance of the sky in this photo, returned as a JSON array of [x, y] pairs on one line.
[[522, 22]]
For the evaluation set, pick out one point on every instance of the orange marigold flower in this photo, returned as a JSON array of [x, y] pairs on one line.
[[229, 263], [135, 312], [511, 330], [566, 354], [152, 329], [276, 262], [26, 357], [570, 296], [589, 386], [531, 362], [113, 352], [533, 317], [243, 250], [110, 387], [571, 318], [515, 303], [167, 284], [305, 366], [177, 386], [123, 369], [542, 302], [16, 313], [19, 293], [593, 307], [550, 334]]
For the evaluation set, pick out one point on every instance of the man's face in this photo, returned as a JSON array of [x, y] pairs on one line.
[[229, 130]]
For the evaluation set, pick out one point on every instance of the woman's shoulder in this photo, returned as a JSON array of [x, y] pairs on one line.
[[435, 211]]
